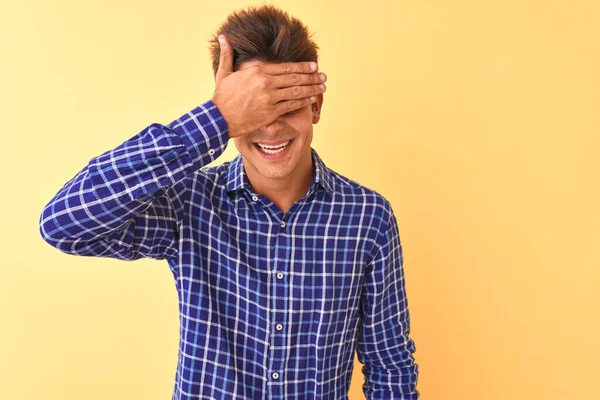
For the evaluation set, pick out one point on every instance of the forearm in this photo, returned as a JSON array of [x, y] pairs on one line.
[[121, 183], [385, 346], [392, 373]]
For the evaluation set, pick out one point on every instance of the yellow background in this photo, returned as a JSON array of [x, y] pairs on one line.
[[478, 120]]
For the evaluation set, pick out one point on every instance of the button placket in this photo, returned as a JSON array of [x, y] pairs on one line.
[[280, 298]]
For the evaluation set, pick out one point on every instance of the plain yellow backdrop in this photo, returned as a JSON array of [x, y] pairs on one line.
[[478, 120]]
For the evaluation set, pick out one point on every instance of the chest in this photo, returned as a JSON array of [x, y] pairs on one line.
[[318, 250]]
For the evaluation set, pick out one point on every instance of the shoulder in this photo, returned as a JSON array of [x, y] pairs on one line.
[[205, 180], [371, 202], [215, 175]]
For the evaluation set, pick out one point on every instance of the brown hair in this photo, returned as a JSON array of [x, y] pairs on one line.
[[264, 33]]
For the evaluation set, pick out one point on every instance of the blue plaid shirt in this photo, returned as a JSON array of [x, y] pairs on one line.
[[271, 305]]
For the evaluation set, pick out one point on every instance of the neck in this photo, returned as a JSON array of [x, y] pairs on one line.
[[285, 191]]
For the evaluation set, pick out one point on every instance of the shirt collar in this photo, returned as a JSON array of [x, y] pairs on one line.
[[238, 180]]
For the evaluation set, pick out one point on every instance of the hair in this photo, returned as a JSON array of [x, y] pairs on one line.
[[266, 34]]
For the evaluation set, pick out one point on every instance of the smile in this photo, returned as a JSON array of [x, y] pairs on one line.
[[272, 149]]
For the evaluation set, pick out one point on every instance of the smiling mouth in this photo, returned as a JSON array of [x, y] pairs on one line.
[[272, 149]]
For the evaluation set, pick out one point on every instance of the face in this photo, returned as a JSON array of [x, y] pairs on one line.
[[294, 130]]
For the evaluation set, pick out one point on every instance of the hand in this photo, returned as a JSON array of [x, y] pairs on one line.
[[254, 97]]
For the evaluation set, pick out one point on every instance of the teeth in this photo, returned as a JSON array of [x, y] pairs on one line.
[[264, 146], [273, 149]]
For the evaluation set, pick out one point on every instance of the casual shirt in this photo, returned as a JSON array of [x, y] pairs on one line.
[[272, 305]]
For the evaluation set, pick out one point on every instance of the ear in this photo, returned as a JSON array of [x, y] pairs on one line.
[[316, 108]]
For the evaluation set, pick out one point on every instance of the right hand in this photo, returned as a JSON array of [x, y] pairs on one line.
[[254, 97]]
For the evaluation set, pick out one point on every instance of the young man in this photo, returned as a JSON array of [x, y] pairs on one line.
[[283, 267]]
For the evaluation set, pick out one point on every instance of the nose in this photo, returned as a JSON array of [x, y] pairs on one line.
[[273, 128]]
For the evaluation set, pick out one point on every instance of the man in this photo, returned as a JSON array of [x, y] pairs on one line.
[[283, 267]]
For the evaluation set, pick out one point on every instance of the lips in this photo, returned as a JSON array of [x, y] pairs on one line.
[[273, 144], [273, 150]]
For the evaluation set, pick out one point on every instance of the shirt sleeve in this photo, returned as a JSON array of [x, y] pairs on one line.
[[127, 202], [384, 346]]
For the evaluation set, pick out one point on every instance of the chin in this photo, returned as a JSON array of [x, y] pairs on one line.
[[271, 173]]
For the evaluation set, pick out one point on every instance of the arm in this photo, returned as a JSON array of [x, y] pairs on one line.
[[126, 202], [384, 345]]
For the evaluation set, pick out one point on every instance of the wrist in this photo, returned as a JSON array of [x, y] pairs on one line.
[[216, 100]]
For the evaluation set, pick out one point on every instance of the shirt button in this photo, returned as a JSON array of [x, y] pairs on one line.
[[211, 152], [280, 275], [283, 224], [275, 375], [279, 327], [254, 198]]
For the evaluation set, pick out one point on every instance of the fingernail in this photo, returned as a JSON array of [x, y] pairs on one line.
[[220, 39], [322, 76], [313, 66]]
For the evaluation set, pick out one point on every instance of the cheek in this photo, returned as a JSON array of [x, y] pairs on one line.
[[241, 144], [303, 126], [307, 133]]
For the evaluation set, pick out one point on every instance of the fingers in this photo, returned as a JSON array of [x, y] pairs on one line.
[[289, 68], [225, 59], [299, 92], [297, 85], [290, 105], [297, 79]]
